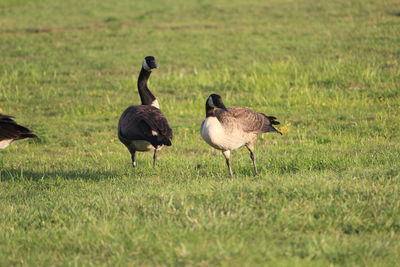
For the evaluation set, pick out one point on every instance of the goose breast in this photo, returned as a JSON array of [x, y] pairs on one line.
[[221, 137]]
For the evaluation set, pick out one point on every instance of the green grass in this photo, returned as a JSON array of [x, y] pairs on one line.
[[328, 192]]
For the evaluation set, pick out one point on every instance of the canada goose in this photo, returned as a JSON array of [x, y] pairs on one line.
[[230, 128], [144, 127], [10, 131]]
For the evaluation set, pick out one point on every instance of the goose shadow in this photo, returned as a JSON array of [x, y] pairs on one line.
[[395, 13], [21, 174]]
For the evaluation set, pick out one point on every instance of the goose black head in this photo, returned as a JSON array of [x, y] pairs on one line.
[[215, 101], [149, 63]]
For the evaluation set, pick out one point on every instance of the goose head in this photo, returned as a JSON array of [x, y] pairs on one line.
[[149, 63], [215, 101]]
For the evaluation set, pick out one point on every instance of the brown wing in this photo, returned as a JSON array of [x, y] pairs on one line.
[[246, 119], [9, 129], [139, 122]]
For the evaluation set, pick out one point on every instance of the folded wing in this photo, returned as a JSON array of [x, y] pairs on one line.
[[145, 122], [248, 120]]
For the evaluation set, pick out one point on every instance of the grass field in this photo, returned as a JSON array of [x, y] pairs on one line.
[[328, 192]]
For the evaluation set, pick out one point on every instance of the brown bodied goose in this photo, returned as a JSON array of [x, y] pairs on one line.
[[10, 131], [230, 128], [144, 127]]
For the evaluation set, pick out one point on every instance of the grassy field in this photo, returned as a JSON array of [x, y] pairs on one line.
[[328, 192]]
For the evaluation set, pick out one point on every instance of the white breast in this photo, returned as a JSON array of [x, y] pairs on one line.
[[213, 132], [5, 143]]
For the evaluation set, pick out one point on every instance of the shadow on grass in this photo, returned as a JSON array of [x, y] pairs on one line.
[[20, 175], [396, 14]]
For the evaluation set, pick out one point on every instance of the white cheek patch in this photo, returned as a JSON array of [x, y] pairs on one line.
[[145, 66], [154, 133], [211, 102]]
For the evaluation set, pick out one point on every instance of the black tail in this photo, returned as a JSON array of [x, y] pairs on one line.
[[28, 135], [9, 129], [167, 142], [272, 129], [164, 140], [272, 121], [159, 140]]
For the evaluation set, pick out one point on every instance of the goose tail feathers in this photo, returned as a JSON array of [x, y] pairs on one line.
[[272, 129], [272, 121]]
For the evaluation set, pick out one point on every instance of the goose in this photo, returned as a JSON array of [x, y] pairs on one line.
[[10, 131], [144, 127], [226, 129]]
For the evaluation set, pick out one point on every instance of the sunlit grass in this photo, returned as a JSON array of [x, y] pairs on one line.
[[328, 189]]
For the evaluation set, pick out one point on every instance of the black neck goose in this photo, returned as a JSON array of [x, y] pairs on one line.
[[229, 128], [10, 131], [144, 127]]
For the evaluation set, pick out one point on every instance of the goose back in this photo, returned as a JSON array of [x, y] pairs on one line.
[[246, 120], [144, 122]]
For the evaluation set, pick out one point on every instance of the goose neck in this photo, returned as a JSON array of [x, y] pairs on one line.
[[146, 96], [209, 111]]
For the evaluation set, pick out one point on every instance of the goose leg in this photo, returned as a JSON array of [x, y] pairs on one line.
[[155, 156], [227, 155], [250, 147], [133, 152]]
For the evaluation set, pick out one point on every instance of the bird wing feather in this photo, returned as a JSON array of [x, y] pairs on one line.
[[246, 119], [139, 122], [9, 129]]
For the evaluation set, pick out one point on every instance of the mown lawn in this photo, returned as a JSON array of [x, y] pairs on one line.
[[328, 192]]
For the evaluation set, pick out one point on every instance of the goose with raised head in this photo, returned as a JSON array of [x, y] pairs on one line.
[[144, 127], [226, 129], [11, 131]]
